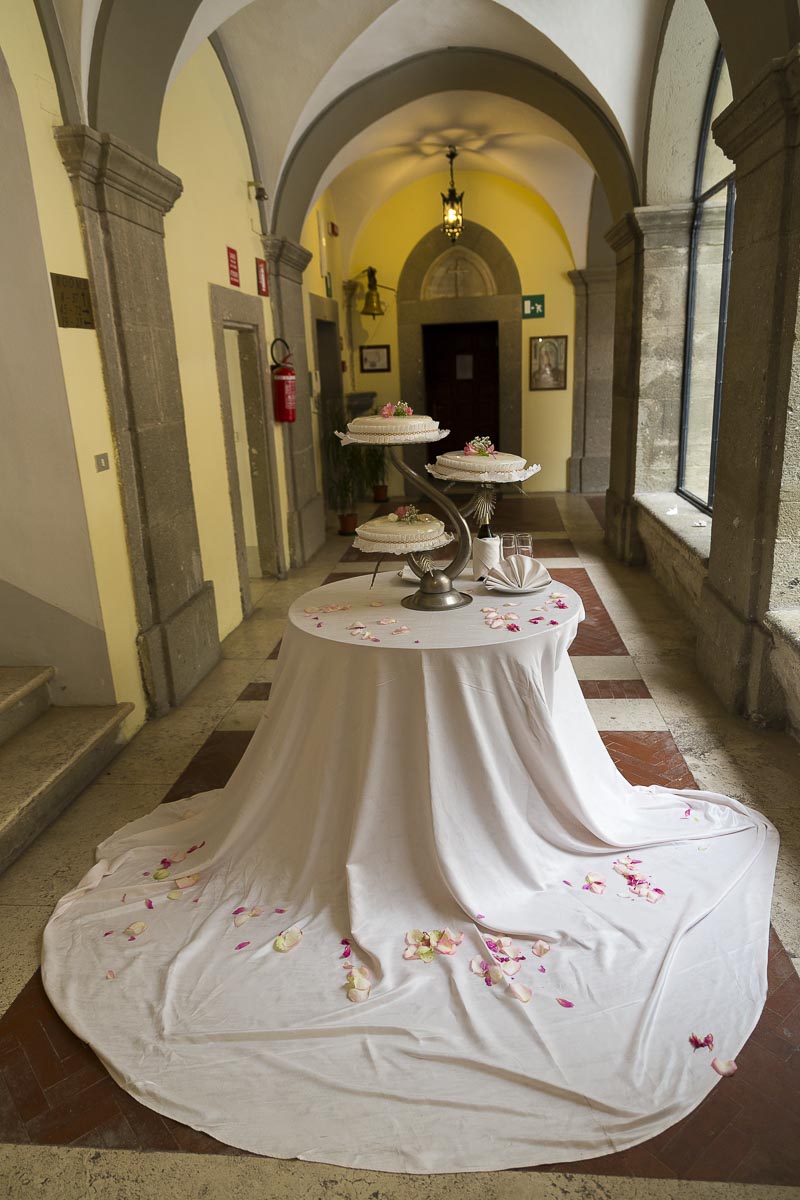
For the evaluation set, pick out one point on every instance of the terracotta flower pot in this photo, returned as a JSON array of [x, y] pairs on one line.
[[380, 491], [347, 524]]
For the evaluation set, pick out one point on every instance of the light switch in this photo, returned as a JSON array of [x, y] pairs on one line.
[[101, 462]]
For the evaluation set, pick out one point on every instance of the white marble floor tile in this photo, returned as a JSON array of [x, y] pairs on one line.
[[75, 1173], [605, 666], [243, 715], [631, 715]]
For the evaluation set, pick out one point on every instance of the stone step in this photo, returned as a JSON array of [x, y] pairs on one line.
[[47, 764], [23, 697]]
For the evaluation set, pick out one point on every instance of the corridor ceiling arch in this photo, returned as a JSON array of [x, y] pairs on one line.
[[451, 70]]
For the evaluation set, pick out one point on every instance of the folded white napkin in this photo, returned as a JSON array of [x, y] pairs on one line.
[[518, 573]]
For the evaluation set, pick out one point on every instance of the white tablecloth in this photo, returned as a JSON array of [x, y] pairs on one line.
[[445, 776]]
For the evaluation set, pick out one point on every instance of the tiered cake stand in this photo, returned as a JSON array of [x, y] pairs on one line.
[[436, 592], [483, 502]]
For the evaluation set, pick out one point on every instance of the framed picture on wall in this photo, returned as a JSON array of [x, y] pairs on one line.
[[374, 358], [548, 363]]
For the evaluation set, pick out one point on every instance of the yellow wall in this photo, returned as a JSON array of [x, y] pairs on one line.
[[535, 239], [202, 141], [25, 52]]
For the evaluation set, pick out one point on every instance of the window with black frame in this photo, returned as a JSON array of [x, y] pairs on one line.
[[707, 302]]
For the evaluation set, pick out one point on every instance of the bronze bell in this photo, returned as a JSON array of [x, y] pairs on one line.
[[372, 301]]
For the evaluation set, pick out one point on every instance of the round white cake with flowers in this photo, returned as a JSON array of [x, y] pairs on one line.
[[478, 457], [405, 526], [393, 419]]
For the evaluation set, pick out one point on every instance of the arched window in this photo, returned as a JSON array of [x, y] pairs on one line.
[[707, 302]]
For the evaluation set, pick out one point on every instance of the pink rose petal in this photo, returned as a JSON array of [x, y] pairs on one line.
[[540, 947], [543, 970], [236, 911], [124, 894], [564, 1003], [111, 974], [520, 992], [108, 933], [279, 910], [241, 945], [148, 904], [723, 1067], [480, 916]]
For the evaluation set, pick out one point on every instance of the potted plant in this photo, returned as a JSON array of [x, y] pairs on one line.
[[375, 472], [343, 473]]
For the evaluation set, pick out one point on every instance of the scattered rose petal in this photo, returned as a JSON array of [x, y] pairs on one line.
[[135, 929], [111, 974], [520, 992], [240, 918], [376, 604], [236, 911], [145, 873], [166, 862], [480, 916], [567, 882], [186, 881], [358, 985], [108, 933], [288, 939], [148, 904], [175, 894], [279, 910], [241, 945], [401, 629], [124, 894], [564, 1003], [513, 629], [540, 947], [596, 884], [723, 1067], [698, 1043], [552, 622], [543, 970], [162, 874], [387, 620], [178, 858]]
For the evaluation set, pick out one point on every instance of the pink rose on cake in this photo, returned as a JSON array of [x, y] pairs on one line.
[[480, 445], [400, 409]]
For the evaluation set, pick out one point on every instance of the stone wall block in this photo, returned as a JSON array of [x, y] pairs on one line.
[[122, 197], [192, 647]]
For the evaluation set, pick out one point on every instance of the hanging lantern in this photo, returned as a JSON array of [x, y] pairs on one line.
[[452, 203], [372, 301]]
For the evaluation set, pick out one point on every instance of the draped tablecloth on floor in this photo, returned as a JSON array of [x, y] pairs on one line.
[[422, 772]]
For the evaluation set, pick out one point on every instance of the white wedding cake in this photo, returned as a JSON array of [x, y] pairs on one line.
[[393, 419], [478, 457], [404, 526]]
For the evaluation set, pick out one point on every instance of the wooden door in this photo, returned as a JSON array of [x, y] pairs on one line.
[[462, 382]]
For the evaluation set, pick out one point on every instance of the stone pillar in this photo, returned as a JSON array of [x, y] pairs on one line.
[[593, 373], [652, 249], [754, 565], [286, 263], [122, 197]]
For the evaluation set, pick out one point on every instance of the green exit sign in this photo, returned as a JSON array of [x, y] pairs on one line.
[[532, 306]]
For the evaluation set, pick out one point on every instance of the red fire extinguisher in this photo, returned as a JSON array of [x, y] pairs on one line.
[[284, 384]]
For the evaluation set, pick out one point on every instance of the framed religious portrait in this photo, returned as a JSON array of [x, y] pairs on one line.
[[548, 364], [374, 358]]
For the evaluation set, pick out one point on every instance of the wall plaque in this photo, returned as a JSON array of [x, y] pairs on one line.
[[73, 302]]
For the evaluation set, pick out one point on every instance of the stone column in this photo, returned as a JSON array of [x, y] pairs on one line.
[[286, 263], [754, 565], [122, 197], [652, 249], [594, 365]]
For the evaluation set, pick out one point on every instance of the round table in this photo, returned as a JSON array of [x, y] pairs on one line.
[[422, 776]]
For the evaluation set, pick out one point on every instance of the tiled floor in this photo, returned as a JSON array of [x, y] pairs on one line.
[[70, 1129]]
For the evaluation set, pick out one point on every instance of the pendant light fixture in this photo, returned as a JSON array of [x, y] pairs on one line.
[[452, 203]]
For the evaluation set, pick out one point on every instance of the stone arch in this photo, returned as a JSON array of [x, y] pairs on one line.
[[689, 41], [446, 272], [504, 307], [454, 69]]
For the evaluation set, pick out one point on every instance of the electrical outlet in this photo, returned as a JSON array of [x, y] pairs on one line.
[[101, 462]]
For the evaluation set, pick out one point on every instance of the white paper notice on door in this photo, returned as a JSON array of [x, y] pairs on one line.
[[463, 366]]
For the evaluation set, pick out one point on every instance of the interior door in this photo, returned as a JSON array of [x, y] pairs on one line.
[[462, 382]]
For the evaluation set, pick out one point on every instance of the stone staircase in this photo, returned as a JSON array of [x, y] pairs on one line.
[[47, 754]]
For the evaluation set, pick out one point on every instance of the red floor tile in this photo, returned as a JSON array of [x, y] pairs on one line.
[[597, 503], [615, 689], [597, 633], [648, 758]]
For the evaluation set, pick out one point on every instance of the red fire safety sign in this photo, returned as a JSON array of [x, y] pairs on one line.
[[233, 266], [261, 277]]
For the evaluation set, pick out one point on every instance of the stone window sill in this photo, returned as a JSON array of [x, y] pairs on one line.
[[680, 526]]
